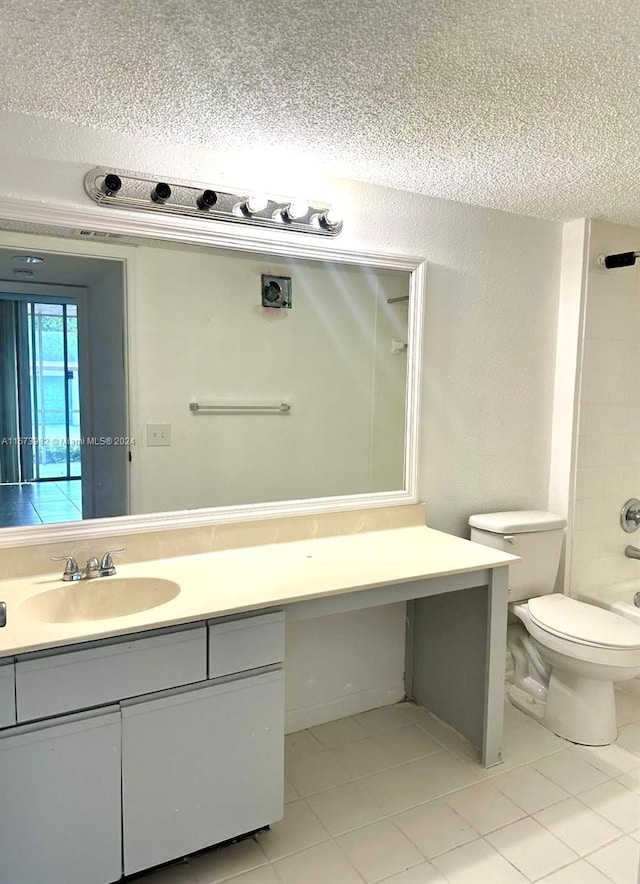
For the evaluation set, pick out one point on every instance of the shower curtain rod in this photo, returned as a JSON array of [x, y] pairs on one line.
[[623, 259]]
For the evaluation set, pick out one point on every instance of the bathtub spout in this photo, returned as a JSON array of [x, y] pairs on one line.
[[632, 552]]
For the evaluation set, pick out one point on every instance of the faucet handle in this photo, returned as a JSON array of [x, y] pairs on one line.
[[71, 570], [107, 568]]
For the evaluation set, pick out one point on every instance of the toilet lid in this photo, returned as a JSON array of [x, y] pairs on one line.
[[578, 621]]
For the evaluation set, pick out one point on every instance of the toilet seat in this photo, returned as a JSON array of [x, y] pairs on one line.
[[615, 656], [583, 624]]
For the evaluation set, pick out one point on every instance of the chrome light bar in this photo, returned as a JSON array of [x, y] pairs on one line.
[[132, 190]]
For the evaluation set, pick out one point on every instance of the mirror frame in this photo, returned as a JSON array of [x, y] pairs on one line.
[[217, 235]]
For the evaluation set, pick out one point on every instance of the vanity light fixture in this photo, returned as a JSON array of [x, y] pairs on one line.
[[330, 220], [207, 200], [28, 259], [296, 210], [111, 184], [623, 259], [255, 203], [161, 192], [132, 190]]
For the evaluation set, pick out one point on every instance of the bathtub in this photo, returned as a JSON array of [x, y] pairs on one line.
[[618, 597]]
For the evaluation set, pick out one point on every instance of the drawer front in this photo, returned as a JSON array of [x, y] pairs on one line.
[[245, 643], [7, 693], [50, 683]]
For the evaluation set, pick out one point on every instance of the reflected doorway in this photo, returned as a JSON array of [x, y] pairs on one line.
[[40, 460], [63, 389]]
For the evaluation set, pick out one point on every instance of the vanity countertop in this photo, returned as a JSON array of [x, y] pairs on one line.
[[227, 582]]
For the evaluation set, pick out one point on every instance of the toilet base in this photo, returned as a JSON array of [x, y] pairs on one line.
[[526, 703], [581, 710]]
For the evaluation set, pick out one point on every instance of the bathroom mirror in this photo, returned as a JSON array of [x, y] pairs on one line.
[[158, 382]]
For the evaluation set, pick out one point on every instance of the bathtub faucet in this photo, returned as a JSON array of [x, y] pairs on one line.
[[632, 552]]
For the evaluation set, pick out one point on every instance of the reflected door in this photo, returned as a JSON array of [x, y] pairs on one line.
[[54, 392]]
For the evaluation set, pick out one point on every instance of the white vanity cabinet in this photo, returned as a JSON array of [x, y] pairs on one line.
[[124, 753], [7, 692], [60, 806], [201, 765]]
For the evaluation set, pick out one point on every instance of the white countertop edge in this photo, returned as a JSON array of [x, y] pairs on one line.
[[253, 578]]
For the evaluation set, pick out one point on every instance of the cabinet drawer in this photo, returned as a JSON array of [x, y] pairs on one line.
[[7, 693], [243, 643], [51, 682]]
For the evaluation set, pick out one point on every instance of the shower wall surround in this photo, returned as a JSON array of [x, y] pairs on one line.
[[607, 441]]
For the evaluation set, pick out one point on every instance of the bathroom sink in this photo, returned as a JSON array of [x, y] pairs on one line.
[[99, 599]]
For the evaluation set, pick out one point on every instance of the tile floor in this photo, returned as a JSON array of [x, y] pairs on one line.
[[35, 503], [394, 796]]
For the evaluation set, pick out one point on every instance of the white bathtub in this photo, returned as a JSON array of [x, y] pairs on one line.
[[618, 598]]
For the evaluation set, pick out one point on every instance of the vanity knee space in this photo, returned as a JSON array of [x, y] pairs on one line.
[[190, 719]]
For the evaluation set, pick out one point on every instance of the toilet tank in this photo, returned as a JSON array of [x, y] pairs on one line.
[[535, 536]]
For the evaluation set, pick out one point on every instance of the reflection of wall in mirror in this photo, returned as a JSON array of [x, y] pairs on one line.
[[200, 332]]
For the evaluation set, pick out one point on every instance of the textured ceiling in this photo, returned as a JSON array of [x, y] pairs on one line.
[[531, 106]]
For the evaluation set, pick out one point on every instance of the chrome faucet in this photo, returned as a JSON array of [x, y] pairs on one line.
[[632, 552], [93, 568]]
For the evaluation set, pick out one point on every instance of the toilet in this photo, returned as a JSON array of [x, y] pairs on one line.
[[567, 654]]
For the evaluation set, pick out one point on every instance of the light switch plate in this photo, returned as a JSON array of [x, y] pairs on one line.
[[158, 434]]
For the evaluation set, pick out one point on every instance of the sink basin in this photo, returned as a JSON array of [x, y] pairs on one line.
[[99, 599]]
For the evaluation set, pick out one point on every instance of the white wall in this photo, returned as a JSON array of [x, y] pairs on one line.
[[198, 332], [490, 332], [607, 456]]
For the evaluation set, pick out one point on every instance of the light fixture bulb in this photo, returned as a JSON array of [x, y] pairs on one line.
[[330, 219], [333, 216], [296, 209], [257, 202]]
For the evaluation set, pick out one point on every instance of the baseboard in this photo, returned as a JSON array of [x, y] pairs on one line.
[[341, 707]]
